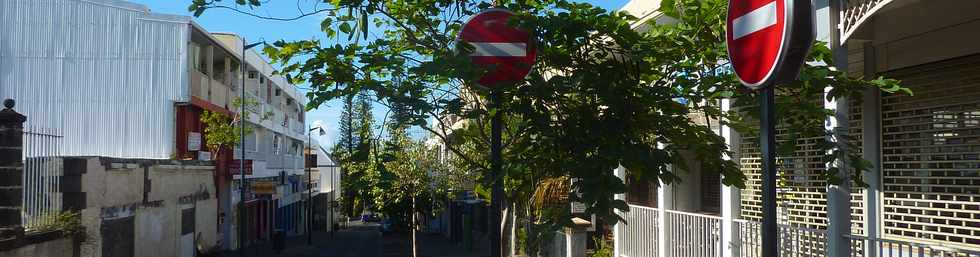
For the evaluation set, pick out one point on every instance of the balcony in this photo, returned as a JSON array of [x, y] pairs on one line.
[[214, 91]]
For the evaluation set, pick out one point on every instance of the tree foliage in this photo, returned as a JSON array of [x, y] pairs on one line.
[[222, 132], [602, 94]]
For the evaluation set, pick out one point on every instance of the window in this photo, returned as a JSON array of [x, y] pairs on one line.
[[262, 80], [268, 94], [311, 160], [277, 144], [292, 148], [251, 140], [252, 74], [198, 58]]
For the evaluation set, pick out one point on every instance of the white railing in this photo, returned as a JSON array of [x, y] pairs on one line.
[[43, 168], [692, 235], [697, 235], [864, 247], [793, 241], [639, 233]]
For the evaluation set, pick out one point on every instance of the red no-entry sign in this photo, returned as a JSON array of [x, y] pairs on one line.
[[768, 39], [506, 51]]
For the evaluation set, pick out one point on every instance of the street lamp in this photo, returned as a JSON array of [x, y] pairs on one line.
[[241, 167], [309, 185]]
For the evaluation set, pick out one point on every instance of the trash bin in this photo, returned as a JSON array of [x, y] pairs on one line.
[[279, 240]]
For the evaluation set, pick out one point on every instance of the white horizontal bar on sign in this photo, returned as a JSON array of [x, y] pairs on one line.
[[754, 21], [499, 49]]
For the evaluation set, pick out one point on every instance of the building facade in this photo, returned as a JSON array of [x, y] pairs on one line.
[[326, 181], [112, 79]]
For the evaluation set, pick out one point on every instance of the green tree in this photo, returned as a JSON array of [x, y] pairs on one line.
[[602, 94], [409, 181], [345, 130], [223, 132]]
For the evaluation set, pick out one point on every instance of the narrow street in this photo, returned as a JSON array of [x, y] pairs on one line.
[[362, 240], [358, 240]]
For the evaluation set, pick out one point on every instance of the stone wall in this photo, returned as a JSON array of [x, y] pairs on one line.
[[147, 207]]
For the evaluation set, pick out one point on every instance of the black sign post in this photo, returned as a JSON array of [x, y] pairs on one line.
[[767, 143], [498, 184]]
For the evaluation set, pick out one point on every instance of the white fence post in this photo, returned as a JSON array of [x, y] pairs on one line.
[[663, 203], [729, 195], [617, 229]]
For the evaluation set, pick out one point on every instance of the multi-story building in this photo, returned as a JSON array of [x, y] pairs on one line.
[[922, 194], [325, 176], [111, 79]]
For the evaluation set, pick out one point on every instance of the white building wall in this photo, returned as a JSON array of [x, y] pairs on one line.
[[104, 74]]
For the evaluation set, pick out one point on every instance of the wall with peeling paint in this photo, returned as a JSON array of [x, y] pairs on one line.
[[135, 207]]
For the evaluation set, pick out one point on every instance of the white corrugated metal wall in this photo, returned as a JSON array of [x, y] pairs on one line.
[[103, 73]]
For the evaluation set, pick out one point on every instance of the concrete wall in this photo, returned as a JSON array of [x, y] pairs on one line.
[[936, 30], [136, 207], [54, 248]]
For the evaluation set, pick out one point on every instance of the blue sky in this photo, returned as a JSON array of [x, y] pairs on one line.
[[255, 29]]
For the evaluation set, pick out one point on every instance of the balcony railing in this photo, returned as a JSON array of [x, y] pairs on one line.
[[692, 235], [864, 247], [697, 235], [793, 241], [639, 235]]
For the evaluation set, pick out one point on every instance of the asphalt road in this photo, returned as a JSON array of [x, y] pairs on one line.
[[363, 240], [360, 240]]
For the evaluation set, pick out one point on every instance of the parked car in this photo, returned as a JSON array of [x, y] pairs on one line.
[[386, 226], [370, 217]]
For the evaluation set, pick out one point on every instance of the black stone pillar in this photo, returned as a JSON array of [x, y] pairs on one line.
[[11, 168]]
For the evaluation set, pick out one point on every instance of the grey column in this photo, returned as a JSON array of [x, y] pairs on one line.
[[838, 196], [871, 148]]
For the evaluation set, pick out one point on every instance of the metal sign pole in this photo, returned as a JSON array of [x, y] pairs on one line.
[[241, 167], [495, 163], [767, 141]]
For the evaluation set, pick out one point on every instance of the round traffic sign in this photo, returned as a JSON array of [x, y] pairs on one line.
[[505, 51], [768, 39]]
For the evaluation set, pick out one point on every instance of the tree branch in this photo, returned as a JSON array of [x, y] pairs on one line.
[[302, 15]]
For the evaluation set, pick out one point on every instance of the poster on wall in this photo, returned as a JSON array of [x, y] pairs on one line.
[[204, 155], [194, 141]]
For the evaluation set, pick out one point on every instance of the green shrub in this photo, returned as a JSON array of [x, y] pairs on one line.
[[68, 222]]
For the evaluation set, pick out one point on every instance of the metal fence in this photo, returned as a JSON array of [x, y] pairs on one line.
[[864, 247], [639, 233], [43, 168], [692, 235]]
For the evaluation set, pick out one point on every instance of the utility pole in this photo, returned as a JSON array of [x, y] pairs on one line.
[[241, 167]]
